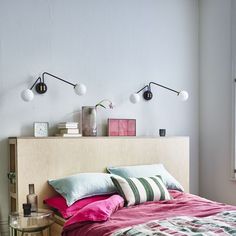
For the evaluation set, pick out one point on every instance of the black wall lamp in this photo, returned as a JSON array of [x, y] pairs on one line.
[[41, 87], [147, 94]]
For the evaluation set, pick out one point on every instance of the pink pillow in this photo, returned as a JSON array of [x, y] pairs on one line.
[[97, 211], [59, 203]]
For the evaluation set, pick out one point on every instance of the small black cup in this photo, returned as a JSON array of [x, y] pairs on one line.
[[27, 209], [162, 132]]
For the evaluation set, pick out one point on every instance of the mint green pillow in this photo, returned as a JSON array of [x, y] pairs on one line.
[[146, 171], [83, 185]]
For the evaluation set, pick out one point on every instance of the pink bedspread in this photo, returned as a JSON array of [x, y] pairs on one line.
[[182, 204]]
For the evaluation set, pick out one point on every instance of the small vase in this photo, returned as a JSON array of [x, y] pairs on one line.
[[32, 198], [89, 121]]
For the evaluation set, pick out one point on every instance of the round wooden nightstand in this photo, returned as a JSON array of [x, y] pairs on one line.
[[36, 223]]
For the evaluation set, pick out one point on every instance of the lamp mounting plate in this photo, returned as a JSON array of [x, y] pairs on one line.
[[147, 95], [41, 88]]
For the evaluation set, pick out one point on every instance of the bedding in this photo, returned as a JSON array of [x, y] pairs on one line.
[[139, 190], [82, 185], [97, 211], [223, 223], [58, 204], [182, 204], [146, 171]]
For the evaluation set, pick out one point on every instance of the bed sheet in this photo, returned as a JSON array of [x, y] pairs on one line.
[[182, 204]]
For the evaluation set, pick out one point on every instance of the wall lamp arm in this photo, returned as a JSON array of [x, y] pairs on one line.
[[146, 86], [56, 77], [36, 81], [163, 87]]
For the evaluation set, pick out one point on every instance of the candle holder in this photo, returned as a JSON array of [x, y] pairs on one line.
[[162, 132], [26, 209]]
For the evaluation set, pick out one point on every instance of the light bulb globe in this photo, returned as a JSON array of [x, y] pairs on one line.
[[80, 89], [27, 95], [134, 98], [183, 95]]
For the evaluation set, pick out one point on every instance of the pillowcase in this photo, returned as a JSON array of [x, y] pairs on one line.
[[58, 203], [146, 171], [139, 190], [97, 211], [83, 185]]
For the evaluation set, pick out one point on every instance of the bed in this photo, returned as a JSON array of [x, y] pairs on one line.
[[58, 157]]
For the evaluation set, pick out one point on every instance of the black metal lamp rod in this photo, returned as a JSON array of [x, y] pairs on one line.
[[65, 81], [146, 86], [149, 87], [36, 81], [163, 87]]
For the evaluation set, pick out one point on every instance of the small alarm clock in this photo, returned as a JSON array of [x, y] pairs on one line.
[[41, 129]]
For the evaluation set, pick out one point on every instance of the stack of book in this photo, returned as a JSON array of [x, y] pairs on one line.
[[68, 129]]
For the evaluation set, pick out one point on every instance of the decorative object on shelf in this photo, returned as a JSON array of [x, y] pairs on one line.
[[41, 129], [32, 198], [26, 209], [89, 123], [68, 129], [101, 104], [12, 177], [147, 95], [162, 132], [89, 117], [41, 87], [121, 127]]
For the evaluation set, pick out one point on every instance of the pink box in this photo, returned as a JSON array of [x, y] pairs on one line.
[[121, 127]]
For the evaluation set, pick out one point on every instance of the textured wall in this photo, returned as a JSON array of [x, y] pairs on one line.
[[114, 47]]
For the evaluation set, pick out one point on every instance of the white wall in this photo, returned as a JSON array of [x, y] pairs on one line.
[[216, 113], [114, 47]]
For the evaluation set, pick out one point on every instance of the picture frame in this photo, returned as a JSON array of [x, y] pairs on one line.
[[121, 127]]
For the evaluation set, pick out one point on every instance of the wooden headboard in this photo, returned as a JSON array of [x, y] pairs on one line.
[[40, 159]]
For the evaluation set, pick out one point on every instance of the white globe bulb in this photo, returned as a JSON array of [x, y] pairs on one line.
[[134, 98], [80, 89], [183, 95], [27, 95]]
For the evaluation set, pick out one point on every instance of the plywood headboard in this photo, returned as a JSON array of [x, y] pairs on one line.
[[40, 159]]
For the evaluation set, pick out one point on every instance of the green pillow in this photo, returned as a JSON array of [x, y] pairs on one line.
[[83, 185], [146, 171], [139, 190]]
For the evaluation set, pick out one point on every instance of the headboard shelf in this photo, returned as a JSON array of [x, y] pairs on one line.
[[100, 137], [40, 159]]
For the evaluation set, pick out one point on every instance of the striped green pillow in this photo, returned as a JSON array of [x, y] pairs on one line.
[[139, 190]]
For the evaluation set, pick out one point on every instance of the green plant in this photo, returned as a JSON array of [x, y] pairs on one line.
[[100, 104], [12, 177]]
